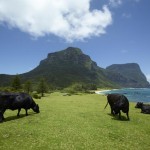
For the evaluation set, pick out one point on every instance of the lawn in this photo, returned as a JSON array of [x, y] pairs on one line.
[[77, 122]]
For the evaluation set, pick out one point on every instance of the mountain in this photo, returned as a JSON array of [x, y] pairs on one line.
[[127, 75], [65, 67], [68, 66], [5, 79]]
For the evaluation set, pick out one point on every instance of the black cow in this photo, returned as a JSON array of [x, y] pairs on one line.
[[138, 105], [111, 99], [145, 108], [15, 101], [117, 103]]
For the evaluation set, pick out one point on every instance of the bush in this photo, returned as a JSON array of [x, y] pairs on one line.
[[80, 88], [36, 96]]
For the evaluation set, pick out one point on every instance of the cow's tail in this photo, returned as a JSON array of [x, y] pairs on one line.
[[106, 105]]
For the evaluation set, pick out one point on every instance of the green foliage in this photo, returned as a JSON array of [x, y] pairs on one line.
[[89, 86], [77, 122], [42, 87], [6, 89], [75, 88], [16, 83], [52, 87], [80, 88], [36, 96], [28, 86]]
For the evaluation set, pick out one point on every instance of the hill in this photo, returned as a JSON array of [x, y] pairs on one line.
[[127, 75], [71, 65]]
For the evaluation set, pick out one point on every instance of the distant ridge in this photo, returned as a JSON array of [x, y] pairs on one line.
[[127, 75], [71, 65]]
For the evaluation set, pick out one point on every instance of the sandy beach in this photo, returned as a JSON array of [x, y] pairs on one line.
[[101, 91]]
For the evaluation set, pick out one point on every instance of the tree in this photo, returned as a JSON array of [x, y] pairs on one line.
[[42, 87], [28, 86], [16, 83]]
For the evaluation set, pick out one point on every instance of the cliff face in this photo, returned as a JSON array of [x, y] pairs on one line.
[[71, 65], [127, 75], [69, 56]]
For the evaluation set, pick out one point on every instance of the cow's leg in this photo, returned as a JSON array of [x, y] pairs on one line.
[[142, 110], [26, 112], [19, 112], [1, 117], [128, 116], [112, 111], [2, 114], [119, 115]]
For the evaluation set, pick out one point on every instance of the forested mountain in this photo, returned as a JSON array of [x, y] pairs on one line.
[[127, 75], [69, 66]]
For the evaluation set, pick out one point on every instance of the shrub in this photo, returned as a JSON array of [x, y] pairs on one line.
[[36, 96]]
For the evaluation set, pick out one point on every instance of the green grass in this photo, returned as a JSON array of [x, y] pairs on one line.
[[77, 122]]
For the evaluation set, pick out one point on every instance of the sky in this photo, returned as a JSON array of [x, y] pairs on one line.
[[109, 31]]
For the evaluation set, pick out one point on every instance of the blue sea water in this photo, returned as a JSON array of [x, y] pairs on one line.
[[133, 94]]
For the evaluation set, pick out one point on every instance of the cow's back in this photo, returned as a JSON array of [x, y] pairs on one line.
[[15, 100], [6, 100], [145, 109], [112, 98], [24, 100]]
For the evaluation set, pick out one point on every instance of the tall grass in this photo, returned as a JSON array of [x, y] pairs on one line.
[[77, 122]]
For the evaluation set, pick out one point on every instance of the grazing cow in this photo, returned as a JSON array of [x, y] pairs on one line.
[[145, 108], [117, 103], [111, 99], [138, 105], [15, 101]]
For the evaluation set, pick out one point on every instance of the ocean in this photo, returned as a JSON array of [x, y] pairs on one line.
[[133, 94]]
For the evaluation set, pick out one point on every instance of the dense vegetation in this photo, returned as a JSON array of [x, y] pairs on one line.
[[72, 123]]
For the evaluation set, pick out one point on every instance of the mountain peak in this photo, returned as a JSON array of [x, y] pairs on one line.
[[69, 56], [74, 50], [67, 51], [68, 66]]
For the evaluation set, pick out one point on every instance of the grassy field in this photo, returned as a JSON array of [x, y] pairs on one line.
[[77, 122]]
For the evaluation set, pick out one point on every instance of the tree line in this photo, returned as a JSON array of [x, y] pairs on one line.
[[43, 87], [17, 86]]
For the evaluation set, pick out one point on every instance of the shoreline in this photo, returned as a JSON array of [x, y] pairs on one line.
[[102, 92], [133, 94]]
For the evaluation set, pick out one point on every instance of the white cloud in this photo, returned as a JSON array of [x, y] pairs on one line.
[[148, 77], [68, 19], [115, 3]]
